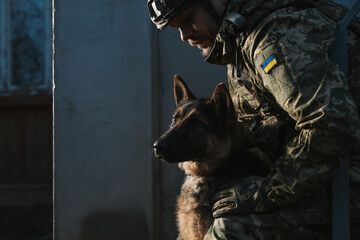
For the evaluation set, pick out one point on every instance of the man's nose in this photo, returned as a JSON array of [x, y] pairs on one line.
[[186, 32]]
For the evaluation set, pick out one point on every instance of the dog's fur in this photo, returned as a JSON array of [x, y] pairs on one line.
[[206, 140]]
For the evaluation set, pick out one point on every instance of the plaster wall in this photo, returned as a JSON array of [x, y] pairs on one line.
[[102, 120]]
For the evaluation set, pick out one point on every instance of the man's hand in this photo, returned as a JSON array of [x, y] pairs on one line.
[[246, 196]]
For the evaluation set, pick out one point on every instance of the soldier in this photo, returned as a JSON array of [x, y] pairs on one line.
[[294, 100]]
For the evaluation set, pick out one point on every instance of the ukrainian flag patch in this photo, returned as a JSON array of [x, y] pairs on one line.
[[269, 64]]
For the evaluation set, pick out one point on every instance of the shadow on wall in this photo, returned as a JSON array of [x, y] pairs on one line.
[[114, 226]]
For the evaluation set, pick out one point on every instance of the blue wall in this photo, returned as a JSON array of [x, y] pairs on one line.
[[102, 120]]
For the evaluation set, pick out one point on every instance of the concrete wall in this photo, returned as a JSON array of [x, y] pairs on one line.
[[113, 95], [102, 120]]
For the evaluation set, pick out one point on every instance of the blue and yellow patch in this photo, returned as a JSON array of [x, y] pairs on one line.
[[269, 64]]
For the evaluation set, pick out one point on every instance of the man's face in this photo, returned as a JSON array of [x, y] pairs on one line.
[[197, 27]]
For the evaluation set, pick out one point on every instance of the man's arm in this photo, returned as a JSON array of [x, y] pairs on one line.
[[312, 90]]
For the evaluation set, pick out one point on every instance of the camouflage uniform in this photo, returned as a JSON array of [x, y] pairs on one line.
[[298, 104]]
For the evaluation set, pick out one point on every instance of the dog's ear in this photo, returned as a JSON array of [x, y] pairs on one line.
[[182, 93], [222, 101]]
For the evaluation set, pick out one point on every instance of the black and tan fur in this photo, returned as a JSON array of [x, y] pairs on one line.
[[207, 142]]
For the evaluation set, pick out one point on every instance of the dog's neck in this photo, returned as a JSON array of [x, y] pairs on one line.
[[221, 159], [234, 161]]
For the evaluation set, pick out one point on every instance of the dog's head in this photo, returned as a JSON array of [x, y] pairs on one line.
[[201, 129]]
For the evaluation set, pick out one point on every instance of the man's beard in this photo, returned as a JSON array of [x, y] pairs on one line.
[[205, 47], [206, 52]]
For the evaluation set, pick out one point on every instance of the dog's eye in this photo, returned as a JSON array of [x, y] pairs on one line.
[[173, 121]]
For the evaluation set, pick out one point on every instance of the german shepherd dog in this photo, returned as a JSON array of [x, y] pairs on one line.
[[206, 140]]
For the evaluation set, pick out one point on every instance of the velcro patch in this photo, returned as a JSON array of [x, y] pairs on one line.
[[269, 64]]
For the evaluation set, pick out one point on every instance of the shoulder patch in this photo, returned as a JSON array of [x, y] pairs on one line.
[[269, 64]]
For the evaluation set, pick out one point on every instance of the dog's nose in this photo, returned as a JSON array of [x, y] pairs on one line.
[[159, 148]]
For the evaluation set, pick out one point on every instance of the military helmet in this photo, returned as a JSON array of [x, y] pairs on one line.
[[163, 11]]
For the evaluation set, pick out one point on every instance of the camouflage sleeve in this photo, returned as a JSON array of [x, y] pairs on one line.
[[312, 90], [309, 219], [227, 228]]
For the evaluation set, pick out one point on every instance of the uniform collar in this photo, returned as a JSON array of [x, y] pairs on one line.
[[223, 51]]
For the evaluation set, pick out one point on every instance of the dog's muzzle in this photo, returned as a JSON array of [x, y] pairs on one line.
[[159, 148], [165, 151]]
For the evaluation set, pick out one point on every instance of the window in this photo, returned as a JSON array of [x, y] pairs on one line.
[[25, 47]]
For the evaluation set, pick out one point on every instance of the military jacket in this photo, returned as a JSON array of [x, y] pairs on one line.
[[283, 83]]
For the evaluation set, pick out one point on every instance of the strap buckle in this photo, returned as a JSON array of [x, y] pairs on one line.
[[237, 22]]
